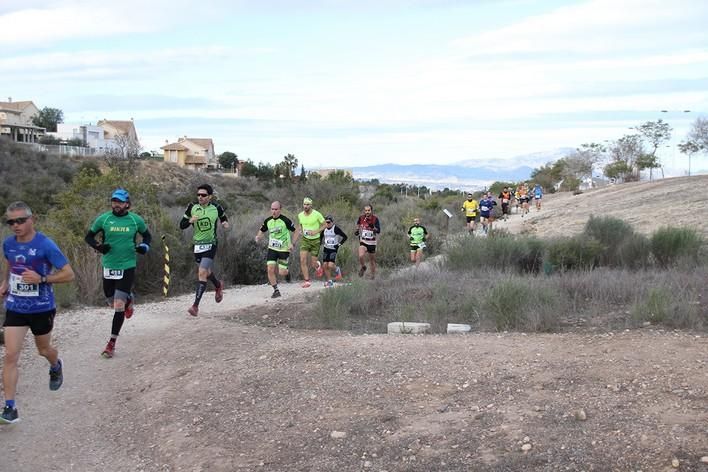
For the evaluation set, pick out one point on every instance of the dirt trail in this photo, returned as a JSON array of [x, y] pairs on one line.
[[237, 389]]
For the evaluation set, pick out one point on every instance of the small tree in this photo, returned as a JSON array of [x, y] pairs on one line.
[[626, 150], [228, 160], [689, 148], [655, 133], [123, 153], [48, 118]]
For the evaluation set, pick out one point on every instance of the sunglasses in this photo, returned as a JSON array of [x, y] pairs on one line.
[[204, 195], [328, 221], [18, 221]]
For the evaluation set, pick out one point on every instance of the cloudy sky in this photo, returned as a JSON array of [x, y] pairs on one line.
[[361, 82]]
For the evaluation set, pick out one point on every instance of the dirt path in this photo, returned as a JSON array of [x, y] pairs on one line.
[[237, 389]]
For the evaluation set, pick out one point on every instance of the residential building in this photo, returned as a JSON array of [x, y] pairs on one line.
[[91, 135], [120, 135], [16, 121], [192, 153]]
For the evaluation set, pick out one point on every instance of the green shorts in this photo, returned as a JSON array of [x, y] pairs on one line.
[[310, 245]]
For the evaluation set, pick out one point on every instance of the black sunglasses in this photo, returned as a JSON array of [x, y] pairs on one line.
[[18, 221], [202, 195]]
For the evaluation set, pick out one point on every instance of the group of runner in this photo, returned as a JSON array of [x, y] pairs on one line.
[[483, 210]]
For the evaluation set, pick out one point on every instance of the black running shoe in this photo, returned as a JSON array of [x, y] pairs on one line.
[[56, 377], [362, 270], [276, 293], [9, 416]]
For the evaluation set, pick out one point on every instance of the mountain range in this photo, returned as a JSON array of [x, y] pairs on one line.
[[463, 175]]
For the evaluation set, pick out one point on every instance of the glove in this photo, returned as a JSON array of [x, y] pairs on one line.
[[356, 233], [103, 248], [142, 248]]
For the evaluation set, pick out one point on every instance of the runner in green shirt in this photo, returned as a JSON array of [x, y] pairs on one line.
[[311, 224], [280, 243], [418, 235], [203, 216], [119, 229]]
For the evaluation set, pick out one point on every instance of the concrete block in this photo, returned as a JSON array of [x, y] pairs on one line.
[[453, 328], [405, 327]]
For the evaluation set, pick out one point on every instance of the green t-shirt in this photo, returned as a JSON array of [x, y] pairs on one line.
[[311, 222], [120, 233], [278, 230], [417, 234], [205, 226]]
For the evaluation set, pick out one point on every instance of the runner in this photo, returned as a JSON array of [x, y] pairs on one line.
[[31, 264], [203, 215], [311, 224], [280, 243], [119, 228], [470, 207], [505, 198], [538, 195], [418, 235], [333, 237], [517, 201], [486, 206], [524, 199], [368, 227]]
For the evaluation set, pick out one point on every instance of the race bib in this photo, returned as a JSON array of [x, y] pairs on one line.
[[421, 245], [275, 243], [367, 234], [112, 274], [505, 200], [19, 288], [331, 241], [199, 248], [484, 208]]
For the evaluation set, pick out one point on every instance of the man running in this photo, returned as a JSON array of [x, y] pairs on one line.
[[505, 198], [32, 263], [311, 224], [333, 237], [470, 207], [418, 235], [368, 227], [119, 229], [203, 216], [524, 199], [280, 243], [538, 195], [486, 206]]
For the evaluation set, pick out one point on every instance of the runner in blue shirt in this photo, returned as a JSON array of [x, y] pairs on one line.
[[486, 206], [537, 196], [32, 263]]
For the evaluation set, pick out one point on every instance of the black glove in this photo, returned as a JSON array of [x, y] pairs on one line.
[[103, 248], [142, 248]]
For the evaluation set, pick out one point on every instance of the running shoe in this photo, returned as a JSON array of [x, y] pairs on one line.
[[109, 350], [193, 310], [306, 284], [219, 294], [361, 271], [276, 293], [329, 284], [9, 416], [129, 308], [337, 273], [56, 377], [319, 272]]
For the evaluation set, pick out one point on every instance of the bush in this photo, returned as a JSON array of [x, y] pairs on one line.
[[521, 304], [611, 233], [673, 246], [577, 253], [500, 251]]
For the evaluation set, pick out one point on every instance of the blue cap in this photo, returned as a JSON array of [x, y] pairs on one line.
[[121, 194]]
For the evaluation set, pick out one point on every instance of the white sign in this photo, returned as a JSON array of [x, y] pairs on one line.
[[449, 215]]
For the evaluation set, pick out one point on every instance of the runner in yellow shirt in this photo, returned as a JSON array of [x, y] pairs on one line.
[[471, 208], [311, 224]]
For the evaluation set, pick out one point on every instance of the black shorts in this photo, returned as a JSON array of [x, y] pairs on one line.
[[124, 284], [210, 254], [329, 255], [524, 199], [39, 323], [370, 248], [277, 256], [505, 208], [470, 219]]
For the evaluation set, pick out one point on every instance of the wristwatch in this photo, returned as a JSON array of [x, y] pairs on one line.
[[43, 279]]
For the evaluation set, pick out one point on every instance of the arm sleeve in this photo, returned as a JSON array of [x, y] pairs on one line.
[[90, 239], [222, 213], [338, 231], [147, 237], [184, 222], [409, 230], [377, 226], [264, 226], [425, 231]]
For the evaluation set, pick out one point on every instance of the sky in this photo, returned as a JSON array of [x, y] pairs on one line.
[[342, 83]]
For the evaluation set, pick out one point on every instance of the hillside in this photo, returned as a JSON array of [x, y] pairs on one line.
[[678, 201]]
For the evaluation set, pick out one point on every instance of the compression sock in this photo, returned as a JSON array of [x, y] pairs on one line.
[[212, 278], [118, 319], [201, 288]]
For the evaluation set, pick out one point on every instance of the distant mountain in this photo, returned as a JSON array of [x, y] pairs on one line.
[[464, 175]]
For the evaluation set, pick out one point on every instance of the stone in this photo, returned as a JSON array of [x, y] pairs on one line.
[[405, 327], [675, 463], [338, 435], [526, 447], [455, 328], [580, 415]]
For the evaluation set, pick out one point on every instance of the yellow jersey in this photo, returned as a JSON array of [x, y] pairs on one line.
[[470, 207]]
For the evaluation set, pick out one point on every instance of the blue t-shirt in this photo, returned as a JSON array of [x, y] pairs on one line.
[[485, 206], [41, 255], [537, 192]]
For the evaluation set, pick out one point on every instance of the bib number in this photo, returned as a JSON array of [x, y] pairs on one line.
[[19, 288], [421, 245], [113, 274], [275, 243], [330, 241], [367, 234], [199, 248]]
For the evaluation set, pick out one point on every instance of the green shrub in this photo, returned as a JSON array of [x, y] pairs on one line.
[[634, 252], [654, 306], [577, 253], [520, 304], [671, 246], [612, 233]]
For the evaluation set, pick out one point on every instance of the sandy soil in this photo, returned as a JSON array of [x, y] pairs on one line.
[[239, 389]]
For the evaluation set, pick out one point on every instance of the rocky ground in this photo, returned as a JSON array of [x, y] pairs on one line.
[[238, 388]]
